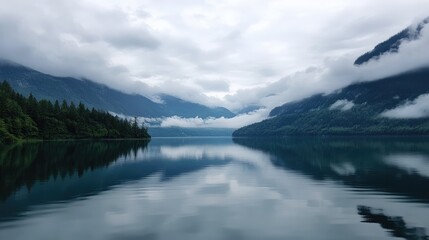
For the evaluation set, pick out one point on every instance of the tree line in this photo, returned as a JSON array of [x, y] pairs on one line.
[[361, 120], [28, 118]]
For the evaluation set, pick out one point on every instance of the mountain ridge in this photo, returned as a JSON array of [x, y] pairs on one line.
[[393, 44], [328, 115], [28, 81]]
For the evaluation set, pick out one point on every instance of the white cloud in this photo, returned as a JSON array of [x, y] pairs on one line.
[[342, 105], [418, 108], [335, 73], [211, 52], [238, 121], [197, 122]]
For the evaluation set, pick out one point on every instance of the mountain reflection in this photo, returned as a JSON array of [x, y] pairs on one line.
[[392, 165], [395, 224], [41, 173], [25, 164], [211, 188]]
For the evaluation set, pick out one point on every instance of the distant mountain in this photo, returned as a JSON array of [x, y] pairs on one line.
[[392, 44], [354, 110], [248, 109], [179, 107], [43, 86]]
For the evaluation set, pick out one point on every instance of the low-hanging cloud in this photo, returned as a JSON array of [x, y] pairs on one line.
[[418, 108], [198, 122], [218, 53], [342, 105]]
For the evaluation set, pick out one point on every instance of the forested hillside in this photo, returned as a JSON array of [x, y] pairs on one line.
[[354, 110], [27, 118]]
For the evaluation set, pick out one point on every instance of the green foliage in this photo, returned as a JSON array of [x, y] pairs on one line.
[[27, 118], [314, 116], [358, 121]]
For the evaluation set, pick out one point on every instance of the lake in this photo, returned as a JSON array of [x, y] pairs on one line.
[[216, 188]]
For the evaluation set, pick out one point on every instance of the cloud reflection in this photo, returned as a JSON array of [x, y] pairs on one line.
[[246, 197], [411, 163]]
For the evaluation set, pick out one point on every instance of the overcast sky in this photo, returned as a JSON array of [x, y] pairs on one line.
[[231, 53]]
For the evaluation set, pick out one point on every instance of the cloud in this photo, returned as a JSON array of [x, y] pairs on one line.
[[335, 73], [418, 108], [133, 38], [214, 85], [197, 122], [210, 52], [342, 105]]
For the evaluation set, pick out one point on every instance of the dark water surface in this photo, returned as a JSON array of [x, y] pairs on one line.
[[216, 188]]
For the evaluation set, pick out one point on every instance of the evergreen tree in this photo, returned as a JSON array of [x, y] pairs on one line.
[[26, 118]]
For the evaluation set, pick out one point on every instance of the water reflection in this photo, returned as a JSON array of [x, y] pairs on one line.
[[26, 164], [219, 188], [394, 224], [397, 166], [63, 171]]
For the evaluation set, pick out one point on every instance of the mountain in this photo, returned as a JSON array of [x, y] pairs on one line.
[[179, 107], [43, 86], [354, 110], [376, 96], [392, 44], [189, 132], [359, 109]]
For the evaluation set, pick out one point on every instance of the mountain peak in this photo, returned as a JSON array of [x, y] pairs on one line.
[[393, 44]]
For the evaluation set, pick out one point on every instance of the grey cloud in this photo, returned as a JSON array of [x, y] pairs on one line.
[[116, 27], [214, 85], [133, 38], [336, 73], [150, 47], [267, 72]]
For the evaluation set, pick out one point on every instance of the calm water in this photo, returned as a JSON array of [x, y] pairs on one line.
[[216, 188]]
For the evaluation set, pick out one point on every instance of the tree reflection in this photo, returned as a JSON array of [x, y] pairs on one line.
[[395, 225], [25, 164], [363, 163]]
